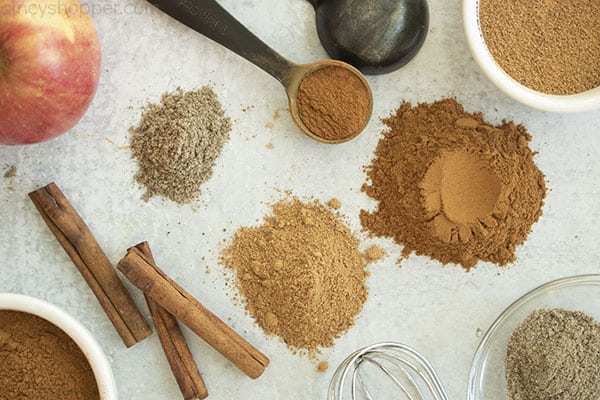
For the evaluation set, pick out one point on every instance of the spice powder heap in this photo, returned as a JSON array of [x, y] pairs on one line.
[[552, 46], [554, 354], [177, 143], [301, 274], [38, 361], [334, 103], [453, 187]]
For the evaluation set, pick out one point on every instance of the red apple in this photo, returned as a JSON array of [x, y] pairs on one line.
[[49, 68]]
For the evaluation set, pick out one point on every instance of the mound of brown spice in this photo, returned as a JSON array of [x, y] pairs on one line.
[[452, 186], [178, 142], [300, 273]]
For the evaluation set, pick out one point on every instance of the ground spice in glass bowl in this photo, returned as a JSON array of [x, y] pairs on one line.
[[556, 320], [554, 354], [46, 354]]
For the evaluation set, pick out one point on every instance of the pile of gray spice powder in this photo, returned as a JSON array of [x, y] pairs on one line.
[[177, 143], [554, 354]]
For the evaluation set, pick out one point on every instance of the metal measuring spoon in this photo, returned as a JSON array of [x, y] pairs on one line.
[[376, 36], [213, 21]]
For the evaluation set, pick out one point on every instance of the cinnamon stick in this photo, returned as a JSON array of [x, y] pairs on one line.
[[143, 274], [174, 345], [93, 264]]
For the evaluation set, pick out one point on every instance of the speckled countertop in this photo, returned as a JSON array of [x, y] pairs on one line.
[[439, 310]]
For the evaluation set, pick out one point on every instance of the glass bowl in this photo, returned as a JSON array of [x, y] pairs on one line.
[[578, 293]]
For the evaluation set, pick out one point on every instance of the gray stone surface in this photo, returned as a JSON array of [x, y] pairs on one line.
[[437, 310]]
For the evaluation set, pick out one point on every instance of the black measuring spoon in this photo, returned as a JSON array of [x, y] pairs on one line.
[[376, 36], [213, 21]]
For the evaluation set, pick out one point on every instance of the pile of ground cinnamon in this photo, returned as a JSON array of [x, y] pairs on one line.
[[453, 187], [552, 46], [301, 274], [38, 361], [334, 103]]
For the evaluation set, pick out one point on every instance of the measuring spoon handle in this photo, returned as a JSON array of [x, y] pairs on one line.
[[213, 21]]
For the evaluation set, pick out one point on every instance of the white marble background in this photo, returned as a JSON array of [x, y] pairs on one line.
[[437, 310]]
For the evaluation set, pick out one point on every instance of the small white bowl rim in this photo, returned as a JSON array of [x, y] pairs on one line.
[[476, 369], [579, 102], [79, 333]]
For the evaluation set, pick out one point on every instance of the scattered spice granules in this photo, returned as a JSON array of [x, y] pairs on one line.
[[552, 46], [177, 143], [323, 366], [334, 203], [334, 103], [301, 274], [453, 187], [10, 172], [554, 354], [374, 253], [38, 361]]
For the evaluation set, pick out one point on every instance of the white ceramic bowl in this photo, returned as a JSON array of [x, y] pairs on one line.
[[80, 335], [487, 377], [563, 104]]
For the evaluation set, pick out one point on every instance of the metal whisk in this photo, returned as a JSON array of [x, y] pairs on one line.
[[389, 368]]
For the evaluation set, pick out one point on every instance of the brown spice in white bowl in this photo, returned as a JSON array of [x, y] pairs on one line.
[[551, 46], [38, 361]]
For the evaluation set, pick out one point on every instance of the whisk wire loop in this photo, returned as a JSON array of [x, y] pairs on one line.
[[407, 369], [397, 381]]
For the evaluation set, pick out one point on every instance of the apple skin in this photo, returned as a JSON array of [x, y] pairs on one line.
[[49, 68]]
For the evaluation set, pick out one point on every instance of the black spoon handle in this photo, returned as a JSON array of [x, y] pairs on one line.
[[213, 21]]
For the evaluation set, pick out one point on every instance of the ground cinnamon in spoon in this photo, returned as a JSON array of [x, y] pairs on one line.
[[334, 103], [38, 361], [452, 186]]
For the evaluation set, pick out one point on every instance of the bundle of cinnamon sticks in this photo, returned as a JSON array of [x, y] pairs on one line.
[[167, 301]]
